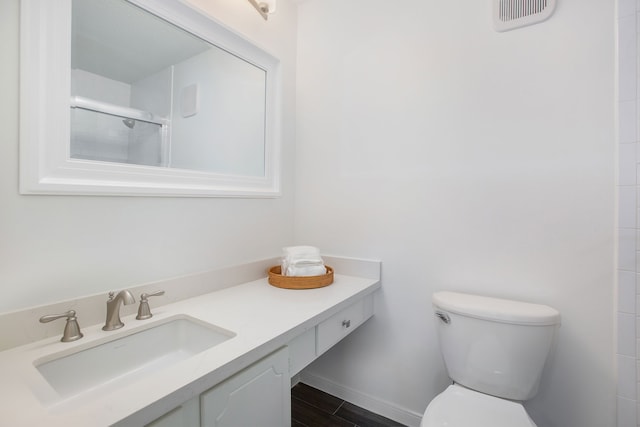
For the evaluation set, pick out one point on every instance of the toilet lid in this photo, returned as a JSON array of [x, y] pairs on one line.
[[460, 407]]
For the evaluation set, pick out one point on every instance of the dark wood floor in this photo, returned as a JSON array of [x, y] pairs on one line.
[[311, 407]]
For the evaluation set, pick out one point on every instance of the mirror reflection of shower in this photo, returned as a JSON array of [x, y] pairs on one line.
[[97, 133]]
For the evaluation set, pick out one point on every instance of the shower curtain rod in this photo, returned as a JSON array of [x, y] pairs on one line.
[[116, 110]]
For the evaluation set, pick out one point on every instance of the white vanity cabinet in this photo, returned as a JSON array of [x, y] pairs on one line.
[[256, 396], [272, 334], [302, 351], [185, 415], [260, 394]]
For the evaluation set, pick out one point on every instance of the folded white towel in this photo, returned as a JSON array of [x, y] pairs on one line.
[[302, 261], [312, 270]]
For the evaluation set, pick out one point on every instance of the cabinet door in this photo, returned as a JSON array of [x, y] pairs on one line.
[[259, 395], [185, 415]]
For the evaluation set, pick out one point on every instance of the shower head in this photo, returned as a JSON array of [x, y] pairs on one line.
[[130, 123]]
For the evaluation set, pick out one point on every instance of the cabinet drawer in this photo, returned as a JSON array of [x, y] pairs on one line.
[[340, 325]]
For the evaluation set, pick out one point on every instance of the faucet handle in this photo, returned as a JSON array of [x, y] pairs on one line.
[[144, 312], [153, 294], [71, 329]]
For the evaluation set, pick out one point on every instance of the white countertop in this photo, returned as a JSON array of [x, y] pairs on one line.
[[263, 317]]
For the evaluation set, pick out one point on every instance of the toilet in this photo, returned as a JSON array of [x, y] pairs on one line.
[[494, 351]]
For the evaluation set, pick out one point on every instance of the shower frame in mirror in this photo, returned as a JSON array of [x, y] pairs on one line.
[[45, 163]]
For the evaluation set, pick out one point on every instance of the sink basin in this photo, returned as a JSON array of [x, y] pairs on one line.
[[125, 359]]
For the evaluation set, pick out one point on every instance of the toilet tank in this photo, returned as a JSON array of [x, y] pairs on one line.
[[494, 346]]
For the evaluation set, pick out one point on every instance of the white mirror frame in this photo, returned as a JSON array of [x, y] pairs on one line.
[[45, 85]]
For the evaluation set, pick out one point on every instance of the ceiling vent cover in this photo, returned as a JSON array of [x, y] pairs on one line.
[[511, 14]]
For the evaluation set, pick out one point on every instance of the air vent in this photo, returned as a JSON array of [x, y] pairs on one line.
[[511, 14]]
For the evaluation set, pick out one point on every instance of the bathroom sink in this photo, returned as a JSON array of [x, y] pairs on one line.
[[126, 358]]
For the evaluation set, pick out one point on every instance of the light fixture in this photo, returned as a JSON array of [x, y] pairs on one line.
[[264, 7]]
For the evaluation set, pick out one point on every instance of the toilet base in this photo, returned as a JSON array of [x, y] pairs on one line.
[[458, 406]]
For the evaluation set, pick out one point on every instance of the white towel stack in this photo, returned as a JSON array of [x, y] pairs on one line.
[[302, 261]]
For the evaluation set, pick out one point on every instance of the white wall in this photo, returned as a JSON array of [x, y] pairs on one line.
[[628, 236], [467, 160], [56, 247]]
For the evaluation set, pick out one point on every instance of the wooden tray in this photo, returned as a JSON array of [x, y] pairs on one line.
[[294, 282]]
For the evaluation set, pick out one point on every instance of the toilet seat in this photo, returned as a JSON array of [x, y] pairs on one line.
[[458, 406]]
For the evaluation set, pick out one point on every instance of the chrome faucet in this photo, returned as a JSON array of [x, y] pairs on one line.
[[113, 309]]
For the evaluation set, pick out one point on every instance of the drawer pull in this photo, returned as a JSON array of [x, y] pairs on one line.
[[346, 323]]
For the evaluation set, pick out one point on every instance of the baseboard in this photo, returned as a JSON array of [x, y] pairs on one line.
[[370, 403]]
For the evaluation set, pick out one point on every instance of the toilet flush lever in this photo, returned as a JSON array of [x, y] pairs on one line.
[[444, 317], [144, 312]]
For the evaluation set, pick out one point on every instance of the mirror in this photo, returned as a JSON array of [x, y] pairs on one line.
[[160, 100], [146, 92]]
